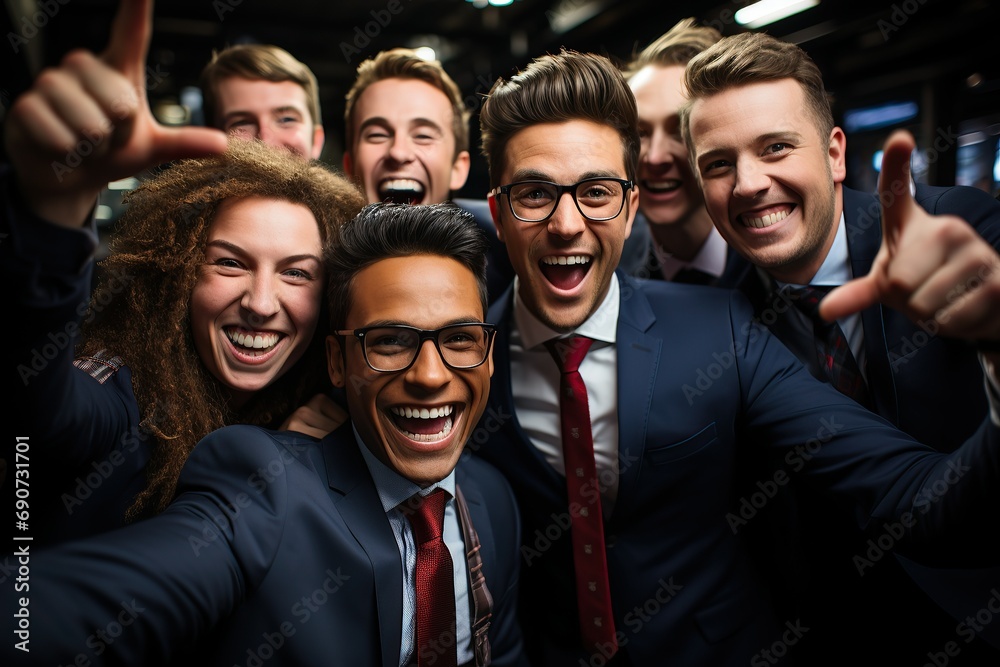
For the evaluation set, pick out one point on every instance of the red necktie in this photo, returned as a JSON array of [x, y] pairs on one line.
[[435, 582], [832, 350], [593, 592]]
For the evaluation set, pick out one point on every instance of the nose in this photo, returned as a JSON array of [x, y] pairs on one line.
[[428, 370], [260, 299], [566, 221], [662, 149], [401, 149], [751, 179]]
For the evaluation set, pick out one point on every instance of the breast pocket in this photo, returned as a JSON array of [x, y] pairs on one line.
[[678, 450]]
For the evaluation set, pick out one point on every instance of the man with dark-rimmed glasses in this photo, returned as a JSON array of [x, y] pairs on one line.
[[638, 413], [372, 546]]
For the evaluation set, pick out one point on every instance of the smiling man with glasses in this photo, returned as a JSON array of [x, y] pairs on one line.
[[372, 546]]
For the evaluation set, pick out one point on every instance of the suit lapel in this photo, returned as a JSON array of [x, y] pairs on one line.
[[638, 358], [361, 509], [864, 236]]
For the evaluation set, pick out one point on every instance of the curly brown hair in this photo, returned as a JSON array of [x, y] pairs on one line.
[[151, 271]]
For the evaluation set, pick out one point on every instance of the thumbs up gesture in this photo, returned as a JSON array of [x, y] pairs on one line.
[[88, 122], [930, 267]]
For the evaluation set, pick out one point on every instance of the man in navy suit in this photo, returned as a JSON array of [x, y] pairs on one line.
[[284, 549], [773, 181], [684, 391]]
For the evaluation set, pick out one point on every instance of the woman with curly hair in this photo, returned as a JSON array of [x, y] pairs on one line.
[[206, 310]]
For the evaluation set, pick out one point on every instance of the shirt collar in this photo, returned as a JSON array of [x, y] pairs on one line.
[[836, 268], [711, 258], [602, 324], [392, 487]]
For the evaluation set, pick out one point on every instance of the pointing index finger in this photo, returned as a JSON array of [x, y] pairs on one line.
[[894, 185], [129, 41]]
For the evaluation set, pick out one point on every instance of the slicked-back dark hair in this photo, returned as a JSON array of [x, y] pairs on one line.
[[382, 231], [555, 89]]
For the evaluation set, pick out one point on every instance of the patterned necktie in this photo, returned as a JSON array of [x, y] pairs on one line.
[[832, 350], [593, 592], [435, 582]]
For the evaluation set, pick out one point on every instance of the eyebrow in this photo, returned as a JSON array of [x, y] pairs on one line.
[[399, 323], [237, 250], [536, 175], [381, 121], [246, 112]]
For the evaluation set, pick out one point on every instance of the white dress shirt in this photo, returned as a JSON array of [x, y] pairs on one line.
[[394, 489], [535, 385]]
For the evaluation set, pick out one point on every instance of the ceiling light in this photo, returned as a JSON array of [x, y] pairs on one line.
[[768, 11]]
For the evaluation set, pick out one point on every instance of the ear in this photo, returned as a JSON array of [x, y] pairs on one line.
[[632, 206], [838, 149], [319, 138], [348, 165], [459, 171], [335, 361], [495, 214]]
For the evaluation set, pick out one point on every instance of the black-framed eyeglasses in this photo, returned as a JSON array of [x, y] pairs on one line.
[[390, 349], [597, 199]]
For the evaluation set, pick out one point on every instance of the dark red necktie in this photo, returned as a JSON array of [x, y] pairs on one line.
[[832, 350], [593, 592], [435, 582]]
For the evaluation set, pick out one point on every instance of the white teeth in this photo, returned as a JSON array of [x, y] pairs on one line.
[[765, 221], [430, 437], [253, 341], [563, 261], [671, 184], [424, 413], [402, 184]]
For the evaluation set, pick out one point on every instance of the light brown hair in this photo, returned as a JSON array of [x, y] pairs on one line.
[[403, 63], [554, 89], [675, 47], [752, 57], [264, 62]]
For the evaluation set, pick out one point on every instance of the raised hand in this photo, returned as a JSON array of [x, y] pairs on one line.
[[88, 122], [934, 268]]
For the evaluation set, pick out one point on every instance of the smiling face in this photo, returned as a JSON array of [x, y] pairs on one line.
[[669, 191], [255, 306], [277, 113], [772, 183], [564, 264], [428, 292], [404, 147]]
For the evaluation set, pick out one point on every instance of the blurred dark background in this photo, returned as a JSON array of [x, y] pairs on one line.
[[932, 66]]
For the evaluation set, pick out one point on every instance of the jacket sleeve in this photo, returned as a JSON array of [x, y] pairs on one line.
[[138, 595]]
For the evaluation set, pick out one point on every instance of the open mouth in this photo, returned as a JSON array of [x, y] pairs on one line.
[[253, 345], [661, 187], [762, 221], [565, 272], [401, 191], [422, 424]]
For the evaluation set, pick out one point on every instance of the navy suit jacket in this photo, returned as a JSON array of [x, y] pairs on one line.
[[276, 546], [928, 386], [702, 393], [915, 378]]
